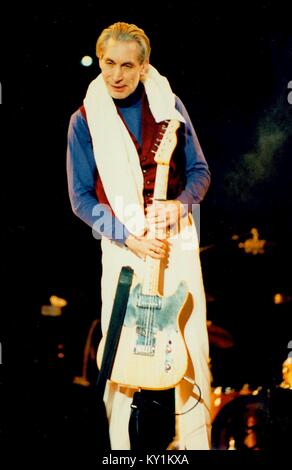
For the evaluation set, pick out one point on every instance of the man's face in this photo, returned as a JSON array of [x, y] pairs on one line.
[[120, 67]]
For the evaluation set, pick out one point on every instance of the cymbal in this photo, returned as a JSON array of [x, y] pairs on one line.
[[218, 336]]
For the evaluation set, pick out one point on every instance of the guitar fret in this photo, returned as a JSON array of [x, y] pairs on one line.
[[161, 181], [151, 278]]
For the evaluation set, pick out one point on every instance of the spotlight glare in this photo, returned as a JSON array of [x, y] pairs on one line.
[[86, 61]]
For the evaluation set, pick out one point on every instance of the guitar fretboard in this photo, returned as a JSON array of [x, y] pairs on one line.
[[164, 152]]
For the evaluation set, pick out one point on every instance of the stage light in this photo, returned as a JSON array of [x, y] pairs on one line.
[[58, 301], [55, 309], [278, 298], [51, 311], [86, 61]]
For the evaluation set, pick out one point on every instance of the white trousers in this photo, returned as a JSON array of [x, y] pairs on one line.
[[194, 426]]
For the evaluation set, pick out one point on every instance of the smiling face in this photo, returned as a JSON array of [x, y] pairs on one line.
[[121, 68]]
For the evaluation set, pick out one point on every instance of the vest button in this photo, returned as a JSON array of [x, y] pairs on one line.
[[144, 171], [144, 159], [148, 182]]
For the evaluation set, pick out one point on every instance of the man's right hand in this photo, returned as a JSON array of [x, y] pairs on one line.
[[144, 246]]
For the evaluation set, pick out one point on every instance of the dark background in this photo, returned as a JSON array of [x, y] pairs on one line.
[[230, 64]]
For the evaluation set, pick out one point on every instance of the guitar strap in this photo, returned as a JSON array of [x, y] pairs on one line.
[[115, 327]]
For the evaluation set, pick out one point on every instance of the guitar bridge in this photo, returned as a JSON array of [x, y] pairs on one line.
[[145, 342], [144, 350], [146, 327]]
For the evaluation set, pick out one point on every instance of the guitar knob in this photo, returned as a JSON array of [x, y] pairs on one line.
[[167, 367]]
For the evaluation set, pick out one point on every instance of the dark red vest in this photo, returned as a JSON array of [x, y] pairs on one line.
[[150, 139]]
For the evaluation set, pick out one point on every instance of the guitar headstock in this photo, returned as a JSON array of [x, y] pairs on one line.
[[167, 143]]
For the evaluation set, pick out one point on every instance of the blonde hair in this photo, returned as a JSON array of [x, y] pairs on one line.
[[124, 32]]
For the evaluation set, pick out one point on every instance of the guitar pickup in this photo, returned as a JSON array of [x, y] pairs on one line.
[[149, 301]]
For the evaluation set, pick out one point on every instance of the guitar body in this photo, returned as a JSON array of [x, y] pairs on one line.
[[151, 353]]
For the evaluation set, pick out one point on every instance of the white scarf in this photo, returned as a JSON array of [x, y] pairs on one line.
[[115, 154]]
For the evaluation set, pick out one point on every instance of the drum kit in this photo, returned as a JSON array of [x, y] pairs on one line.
[[250, 418], [244, 416]]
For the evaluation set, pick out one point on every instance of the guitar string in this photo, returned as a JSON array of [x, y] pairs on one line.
[[147, 309], [152, 311], [149, 312], [152, 308], [146, 315], [150, 316]]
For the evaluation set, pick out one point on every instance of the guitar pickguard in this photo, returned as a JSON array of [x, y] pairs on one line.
[[150, 314]]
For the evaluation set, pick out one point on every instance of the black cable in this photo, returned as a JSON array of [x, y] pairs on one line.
[[185, 412]]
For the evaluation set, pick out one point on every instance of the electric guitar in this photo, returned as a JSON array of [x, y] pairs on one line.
[[151, 353]]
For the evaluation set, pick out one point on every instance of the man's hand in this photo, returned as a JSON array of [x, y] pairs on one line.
[[145, 246], [162, 215]]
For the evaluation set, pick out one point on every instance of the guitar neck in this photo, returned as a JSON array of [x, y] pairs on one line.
[[151, 276], [152, 266], [161, 182], [162, 158]]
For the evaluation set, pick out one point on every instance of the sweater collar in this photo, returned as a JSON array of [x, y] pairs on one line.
[[132, 99]]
